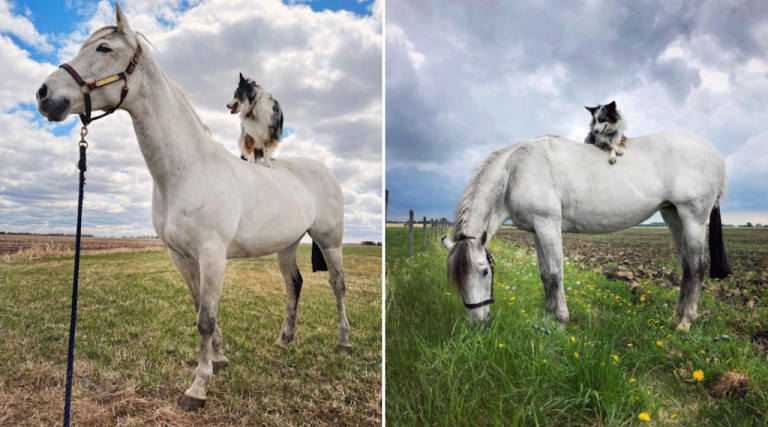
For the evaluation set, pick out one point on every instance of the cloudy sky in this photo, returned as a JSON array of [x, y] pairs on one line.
[[466, 77], [321, 59]]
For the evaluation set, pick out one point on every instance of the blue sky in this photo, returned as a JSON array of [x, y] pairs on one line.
[[466, 78], [336, 46]]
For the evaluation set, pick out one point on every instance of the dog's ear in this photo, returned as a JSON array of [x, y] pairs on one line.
[[592, 109], [611, 106], [242, 79]]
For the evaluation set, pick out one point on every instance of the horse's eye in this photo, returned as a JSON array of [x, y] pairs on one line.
[[104, 48], [485, 272]]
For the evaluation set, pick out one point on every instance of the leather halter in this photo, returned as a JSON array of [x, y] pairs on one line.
[[491, 263], [86, 87]]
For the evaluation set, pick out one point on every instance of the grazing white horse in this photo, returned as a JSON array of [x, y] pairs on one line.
[[207, 204], [551, 185]]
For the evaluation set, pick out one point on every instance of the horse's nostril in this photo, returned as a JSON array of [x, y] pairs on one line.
[[42, 92]]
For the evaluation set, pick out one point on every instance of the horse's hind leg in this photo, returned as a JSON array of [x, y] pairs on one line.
[[286, 259], [689, 234], [549, 249], [190, 271], [336, 269]]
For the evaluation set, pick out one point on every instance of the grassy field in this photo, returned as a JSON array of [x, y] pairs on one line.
[[618, 362], [137, 343]]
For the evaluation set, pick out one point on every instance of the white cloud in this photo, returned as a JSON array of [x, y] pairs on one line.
[[21, 27], [324, 68], [492, 74]]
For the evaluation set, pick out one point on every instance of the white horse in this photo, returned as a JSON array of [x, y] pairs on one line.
[[207, 204], [551, 185]]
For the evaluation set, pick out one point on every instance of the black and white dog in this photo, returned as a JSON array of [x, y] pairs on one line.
[[606, 131], [261, 121]]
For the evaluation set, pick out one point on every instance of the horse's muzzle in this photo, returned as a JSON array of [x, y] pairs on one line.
[[55, 110]]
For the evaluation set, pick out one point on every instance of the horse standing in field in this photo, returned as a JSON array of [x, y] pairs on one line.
[[551, 185], [207, 204]]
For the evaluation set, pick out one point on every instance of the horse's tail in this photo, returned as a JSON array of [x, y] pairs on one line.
[[318, 260], [718, 260]]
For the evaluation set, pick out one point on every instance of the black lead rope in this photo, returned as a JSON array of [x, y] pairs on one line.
[[73, 316]]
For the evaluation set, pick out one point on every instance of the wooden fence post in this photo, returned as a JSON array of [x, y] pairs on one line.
[[386, 206], [410, 233], [424, 235]]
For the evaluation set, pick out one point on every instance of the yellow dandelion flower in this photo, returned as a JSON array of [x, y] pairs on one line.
[[615, 358], [659, 344], [642, 298], [573, 339], [501, 345], [698, 375], [630, 345], [576, 354], [512, 298], [644, 416], [632, 380], [673, 415]]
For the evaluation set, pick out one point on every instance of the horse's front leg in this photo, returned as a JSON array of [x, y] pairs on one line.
[[213, 262], [190, 270], [549, 249]]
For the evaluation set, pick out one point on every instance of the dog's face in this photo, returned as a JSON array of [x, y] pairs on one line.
[[605, 118], [245, 93]]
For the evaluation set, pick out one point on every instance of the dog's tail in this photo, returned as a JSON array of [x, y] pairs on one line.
[[718, 260], [318, 260]]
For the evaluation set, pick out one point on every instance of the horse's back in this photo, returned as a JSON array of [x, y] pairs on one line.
[[562, 177]]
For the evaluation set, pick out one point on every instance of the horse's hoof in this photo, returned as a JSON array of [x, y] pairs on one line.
[[684, 326], [190, 404], [219, 365], [676, 318], [344, 348]]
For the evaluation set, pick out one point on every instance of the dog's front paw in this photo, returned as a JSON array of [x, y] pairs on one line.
[[612, 160]]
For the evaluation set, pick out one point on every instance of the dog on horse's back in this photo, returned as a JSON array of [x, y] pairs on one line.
[[606, 130], [261, 121]]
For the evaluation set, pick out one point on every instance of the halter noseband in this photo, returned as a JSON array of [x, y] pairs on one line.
[[86, 88], [491, 263]]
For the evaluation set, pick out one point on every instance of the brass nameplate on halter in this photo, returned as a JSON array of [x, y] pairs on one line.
[[106, 81]]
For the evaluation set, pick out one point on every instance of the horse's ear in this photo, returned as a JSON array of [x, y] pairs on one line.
[[121, 20], [447, 242], [483, 238]]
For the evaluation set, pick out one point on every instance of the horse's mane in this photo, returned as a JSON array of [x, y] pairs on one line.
[[477, 184], [110, 30], [459, 263]]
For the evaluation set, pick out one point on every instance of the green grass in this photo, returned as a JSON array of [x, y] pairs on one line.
[[618, 357], [137, 343]]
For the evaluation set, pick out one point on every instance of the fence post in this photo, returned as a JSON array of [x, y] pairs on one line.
[[424, 234], [410, 233], [386, 206]]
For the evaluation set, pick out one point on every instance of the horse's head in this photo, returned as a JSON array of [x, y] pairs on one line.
[[470, 267], [107, 56]]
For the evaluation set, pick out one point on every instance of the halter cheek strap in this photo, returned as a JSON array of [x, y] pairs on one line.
[[491, 263], [86, 87]]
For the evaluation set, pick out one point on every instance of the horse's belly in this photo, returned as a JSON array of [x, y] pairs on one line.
[[602, 218]]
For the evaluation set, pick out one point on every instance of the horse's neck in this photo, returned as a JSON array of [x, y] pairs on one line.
[[169, 133], [482, 206]]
